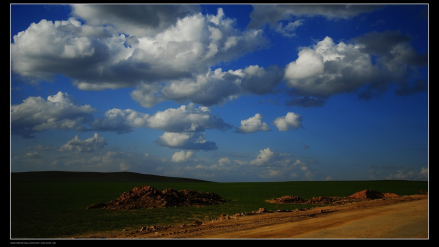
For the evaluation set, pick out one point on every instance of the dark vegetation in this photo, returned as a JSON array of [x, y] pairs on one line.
[[52, 204]]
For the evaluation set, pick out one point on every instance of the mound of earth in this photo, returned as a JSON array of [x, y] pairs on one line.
[[296, 199], [149, 197], [361, 195], [287, 199], [322, 200], [372, 194], [387, 195], [367, 194]]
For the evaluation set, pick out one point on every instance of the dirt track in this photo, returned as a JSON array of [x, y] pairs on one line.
[[403, 217]]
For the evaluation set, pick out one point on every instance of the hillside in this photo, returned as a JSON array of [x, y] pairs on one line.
[[90, 177]]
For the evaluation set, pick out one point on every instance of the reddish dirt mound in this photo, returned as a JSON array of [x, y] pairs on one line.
[[148, 197], [367, 194], [314, 200], [287, 199], [361, 195], [372, 194], [322, 200], [387, 195]]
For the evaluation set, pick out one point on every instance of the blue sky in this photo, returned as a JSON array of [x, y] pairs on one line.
[[226, 93]]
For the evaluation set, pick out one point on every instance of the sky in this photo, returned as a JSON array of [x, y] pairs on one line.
[[224, 93]]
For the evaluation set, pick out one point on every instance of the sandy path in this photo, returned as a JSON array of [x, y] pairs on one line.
[[408, 220], [403, 217], [405, 220]]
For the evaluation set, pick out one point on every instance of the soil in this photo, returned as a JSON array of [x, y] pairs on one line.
[[365, 214], [149, 197], [359, 196]]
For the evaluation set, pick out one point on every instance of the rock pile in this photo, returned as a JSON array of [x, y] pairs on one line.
[[149, 197]]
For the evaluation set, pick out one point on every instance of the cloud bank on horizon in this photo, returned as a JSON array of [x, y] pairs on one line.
[[195, 58]]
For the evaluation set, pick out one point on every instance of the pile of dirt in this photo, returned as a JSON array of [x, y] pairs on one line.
[[372, 194], [296, 199], [287, 199], [361, 195], [322, 200], [367, 194], [387, 195], [149, 197]]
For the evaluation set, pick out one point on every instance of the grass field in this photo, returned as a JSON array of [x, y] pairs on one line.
[[57, 209]]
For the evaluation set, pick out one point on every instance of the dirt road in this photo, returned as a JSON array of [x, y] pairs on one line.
[[403, 217]]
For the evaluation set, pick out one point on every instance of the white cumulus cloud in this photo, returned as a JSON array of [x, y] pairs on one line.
[[328, 68], [253, 124], [291, 120], [183, 119], [186, 141], [264, 157], [60, 111], [213, 87], [182, 156], [123, 46]]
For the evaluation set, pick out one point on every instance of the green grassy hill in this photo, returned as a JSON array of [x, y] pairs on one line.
[[98, 177]]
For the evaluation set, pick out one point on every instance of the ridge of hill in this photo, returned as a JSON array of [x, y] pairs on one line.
[[91, 177]]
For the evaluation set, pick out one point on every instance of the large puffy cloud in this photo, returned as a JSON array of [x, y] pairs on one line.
[[186, 118], [186, 141], [60, 111], [271, 14], [253, 124], [89, 145], [214, 87], [99, 57], [182, 126], [138, 20], [291, 120], [61, 47], [183, 119], [328, 68]]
